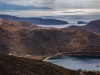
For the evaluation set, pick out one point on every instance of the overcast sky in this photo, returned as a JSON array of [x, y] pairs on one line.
[[60, 8], [68, 10], [58, 4]]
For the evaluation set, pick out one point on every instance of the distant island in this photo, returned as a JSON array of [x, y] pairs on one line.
[[35, 20], [81, 22]]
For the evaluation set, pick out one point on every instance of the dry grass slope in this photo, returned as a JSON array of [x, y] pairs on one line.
[[10, 65]]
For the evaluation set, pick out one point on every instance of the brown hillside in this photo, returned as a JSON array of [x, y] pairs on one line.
[[56, 41], [19, 40], [10, 65], [92, 26]]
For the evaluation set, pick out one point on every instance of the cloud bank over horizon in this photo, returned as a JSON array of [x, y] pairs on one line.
[[52, 13], [57, 4], [60, 8]]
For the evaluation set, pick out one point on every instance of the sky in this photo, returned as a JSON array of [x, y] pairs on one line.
[[58, 7], [68, 10], [57, 4]]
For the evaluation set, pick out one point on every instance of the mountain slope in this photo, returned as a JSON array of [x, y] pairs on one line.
[[54, 41], [92, 26], [18, 39], [10, 65]]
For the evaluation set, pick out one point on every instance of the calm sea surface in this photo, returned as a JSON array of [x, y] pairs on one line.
[[76, 63]]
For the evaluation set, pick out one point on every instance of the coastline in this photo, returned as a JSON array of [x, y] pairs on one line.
[[45, 59], [81, 56]]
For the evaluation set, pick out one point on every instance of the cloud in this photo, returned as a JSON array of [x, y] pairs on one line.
[[35, 13], [57, 4], [22, 2], [4, 6]]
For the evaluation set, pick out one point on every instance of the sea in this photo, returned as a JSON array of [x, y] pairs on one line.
[[76, 63]]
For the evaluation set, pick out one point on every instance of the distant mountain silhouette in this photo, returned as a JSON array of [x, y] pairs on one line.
[[35, 20], [4, 6]]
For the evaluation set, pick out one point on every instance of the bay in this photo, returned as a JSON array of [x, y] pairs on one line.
[[76, 63]]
